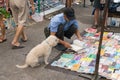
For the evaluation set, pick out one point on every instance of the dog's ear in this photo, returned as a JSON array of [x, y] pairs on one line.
[[52, 40], [55, 41]]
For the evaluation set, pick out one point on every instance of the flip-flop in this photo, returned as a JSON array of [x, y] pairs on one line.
[[23, 40], [17, 47], [3, 40]]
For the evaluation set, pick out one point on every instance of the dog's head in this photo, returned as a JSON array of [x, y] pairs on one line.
[[52, 40]]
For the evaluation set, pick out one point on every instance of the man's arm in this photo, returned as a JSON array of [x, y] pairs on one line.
[[77, 33], [32, 5], [7, 4], [66, 44]]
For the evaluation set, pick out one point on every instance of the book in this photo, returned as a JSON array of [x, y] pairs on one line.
[[77, 45]]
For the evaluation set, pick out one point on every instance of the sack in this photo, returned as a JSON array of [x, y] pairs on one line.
[[102, 1]]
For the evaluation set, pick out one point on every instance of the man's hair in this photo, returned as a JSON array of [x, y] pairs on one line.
[[69, 12]]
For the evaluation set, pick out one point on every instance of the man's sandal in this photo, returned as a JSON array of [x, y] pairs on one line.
[[2, 40]]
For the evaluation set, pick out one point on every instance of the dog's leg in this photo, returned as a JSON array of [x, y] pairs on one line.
[[46, 59], [34, 63]]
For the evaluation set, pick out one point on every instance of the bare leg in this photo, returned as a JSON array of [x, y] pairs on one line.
[[106, 18], [96, 16], [3, 37], [24, 37], [19, 30]]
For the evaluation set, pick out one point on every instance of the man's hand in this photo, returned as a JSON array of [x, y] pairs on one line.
[[33, 9], [67, 45], [80, 39], [32, 6], [78, 35]]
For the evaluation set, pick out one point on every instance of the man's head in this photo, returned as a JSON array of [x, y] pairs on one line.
[[69, 13]]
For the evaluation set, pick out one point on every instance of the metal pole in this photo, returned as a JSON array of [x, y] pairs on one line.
[[100, 41], [84, 3], [38, 6], [43, 3]]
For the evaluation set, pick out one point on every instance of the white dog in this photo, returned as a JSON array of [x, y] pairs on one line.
[[43, 49]]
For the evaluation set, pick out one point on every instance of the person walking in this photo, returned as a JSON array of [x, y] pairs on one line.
[[20, 12]]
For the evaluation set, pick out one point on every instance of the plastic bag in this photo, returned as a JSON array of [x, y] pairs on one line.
[[37, 17]]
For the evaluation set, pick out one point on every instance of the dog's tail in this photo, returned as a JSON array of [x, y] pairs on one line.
[[22, 66]]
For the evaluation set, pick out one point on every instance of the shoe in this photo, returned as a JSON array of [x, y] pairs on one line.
[[60, 47], [1, 41], [17, 47], [23, 40], [95, 26]]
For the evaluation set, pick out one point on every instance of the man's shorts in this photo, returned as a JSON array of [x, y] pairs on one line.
[[20, 11], [98, 5]]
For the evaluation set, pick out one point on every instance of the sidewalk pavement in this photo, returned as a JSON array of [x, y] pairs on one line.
[[35, 32]]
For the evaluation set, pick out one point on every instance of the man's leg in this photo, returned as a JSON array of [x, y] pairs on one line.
[[3, 37], [15, 41], [96, 16], [60, 32], [2, 26], [70, 32], [97, 7], [60, 35], [24, 37]]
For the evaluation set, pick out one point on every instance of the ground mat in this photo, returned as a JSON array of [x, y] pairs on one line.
[[82, 62], [67, 71]]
